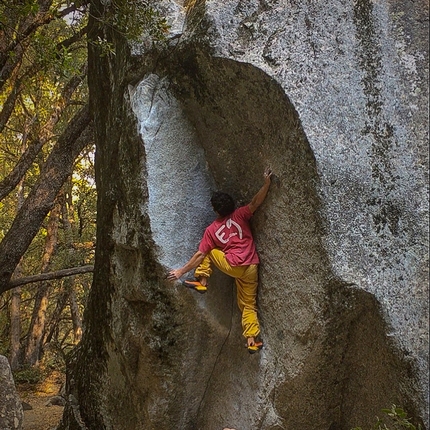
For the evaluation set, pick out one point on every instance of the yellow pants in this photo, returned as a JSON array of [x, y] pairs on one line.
[[246, 279]]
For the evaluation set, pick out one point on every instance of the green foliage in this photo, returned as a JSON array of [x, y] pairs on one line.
[[53, 58], [132, 19], [105, 48], [135, 18], [28, 375], [29, 8], [54, 357], [399, 420], [54, 65]]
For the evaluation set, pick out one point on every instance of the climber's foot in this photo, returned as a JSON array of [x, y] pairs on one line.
[[253, 345], [195, 285], [203, 280]]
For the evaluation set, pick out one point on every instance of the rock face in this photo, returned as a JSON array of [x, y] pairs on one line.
[[333, 97], [11, 413]]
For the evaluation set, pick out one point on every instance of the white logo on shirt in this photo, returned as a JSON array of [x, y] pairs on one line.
[[220, 234]]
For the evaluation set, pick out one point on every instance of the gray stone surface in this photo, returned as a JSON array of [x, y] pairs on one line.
[[178, 198], [358, 81], [11, 413], [357, 76], [334, 98]]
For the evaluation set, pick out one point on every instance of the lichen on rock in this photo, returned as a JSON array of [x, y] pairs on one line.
[[11, 412], [312, 91]]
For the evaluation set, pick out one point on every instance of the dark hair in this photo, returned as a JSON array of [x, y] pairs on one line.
[[222, 203]]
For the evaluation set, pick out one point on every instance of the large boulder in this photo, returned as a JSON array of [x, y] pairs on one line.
[[11, 413], [334, 99]]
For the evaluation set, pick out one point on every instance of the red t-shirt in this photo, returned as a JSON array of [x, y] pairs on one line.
[[232, 235]]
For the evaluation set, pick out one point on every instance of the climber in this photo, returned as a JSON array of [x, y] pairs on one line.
[[229, 245]]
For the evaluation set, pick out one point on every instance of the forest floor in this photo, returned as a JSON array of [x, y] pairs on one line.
[[41, 417]]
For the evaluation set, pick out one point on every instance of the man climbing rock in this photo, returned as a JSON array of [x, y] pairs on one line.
[[229, 245]]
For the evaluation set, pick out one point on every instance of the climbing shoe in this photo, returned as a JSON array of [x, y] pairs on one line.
[[252, 349], [195, 285]]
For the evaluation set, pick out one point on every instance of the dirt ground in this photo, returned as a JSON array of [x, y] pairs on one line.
[[41, 417]]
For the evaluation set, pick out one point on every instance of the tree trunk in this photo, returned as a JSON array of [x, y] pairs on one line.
[[90, 357], [15, 305], [68, 221], [56, 315], [76, 316], [37, 325], [38, 319], [15, 328]]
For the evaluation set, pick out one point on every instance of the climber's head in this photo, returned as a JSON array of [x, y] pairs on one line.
[[222, 203]]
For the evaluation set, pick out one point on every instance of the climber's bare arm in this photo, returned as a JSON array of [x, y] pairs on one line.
[[258, 199], [194, 262]]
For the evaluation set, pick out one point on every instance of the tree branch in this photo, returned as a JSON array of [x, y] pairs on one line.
[[50, 275], [26, 160], [9, 103], [57, 168], [66, 43]]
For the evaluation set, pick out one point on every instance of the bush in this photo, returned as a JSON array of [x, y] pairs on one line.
[[29, 375], [399, 420]]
